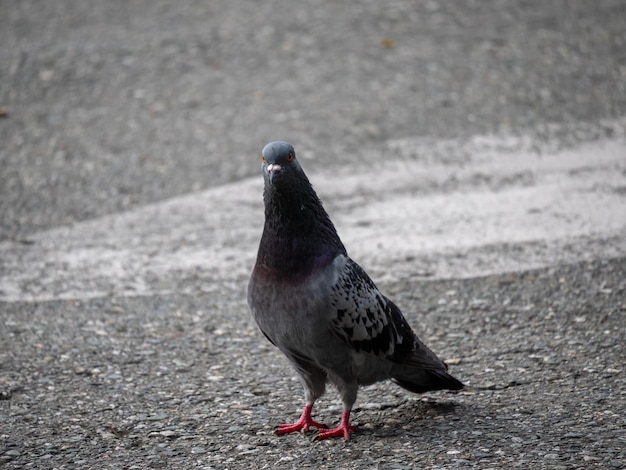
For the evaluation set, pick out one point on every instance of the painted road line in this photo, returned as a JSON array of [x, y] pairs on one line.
[[500, 209]]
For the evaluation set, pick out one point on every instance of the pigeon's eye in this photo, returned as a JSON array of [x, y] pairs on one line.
[[263, 158], [290, 156]]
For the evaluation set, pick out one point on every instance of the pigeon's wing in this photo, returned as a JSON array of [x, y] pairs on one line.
[[369, 322]]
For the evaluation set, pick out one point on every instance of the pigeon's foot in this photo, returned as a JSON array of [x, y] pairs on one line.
[[302, 425], [343, 430]]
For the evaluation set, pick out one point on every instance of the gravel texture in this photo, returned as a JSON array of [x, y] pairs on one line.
[[111, 106], [187, 381]]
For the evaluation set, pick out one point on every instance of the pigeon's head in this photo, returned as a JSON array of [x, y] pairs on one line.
[[280, 167], [294, 215]]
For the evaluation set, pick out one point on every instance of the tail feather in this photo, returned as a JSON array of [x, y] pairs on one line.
[[428, 380]]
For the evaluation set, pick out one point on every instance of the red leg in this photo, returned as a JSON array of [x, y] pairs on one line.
[[303, 424], [343, 429]]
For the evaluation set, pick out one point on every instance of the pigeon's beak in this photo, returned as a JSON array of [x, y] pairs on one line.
[[273, 169]]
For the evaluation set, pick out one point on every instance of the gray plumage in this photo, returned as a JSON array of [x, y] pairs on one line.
[[321, 309]]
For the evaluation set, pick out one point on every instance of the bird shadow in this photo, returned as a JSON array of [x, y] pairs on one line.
[[410, 417]]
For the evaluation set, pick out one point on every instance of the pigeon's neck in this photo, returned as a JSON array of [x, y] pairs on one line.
[[298, 237]]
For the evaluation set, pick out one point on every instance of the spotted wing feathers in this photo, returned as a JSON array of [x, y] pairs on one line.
[[364, 318], [369, 322]]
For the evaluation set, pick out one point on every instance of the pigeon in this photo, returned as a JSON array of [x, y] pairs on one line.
[[321, 309]]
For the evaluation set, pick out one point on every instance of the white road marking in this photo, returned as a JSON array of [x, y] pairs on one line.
[[500, 210]]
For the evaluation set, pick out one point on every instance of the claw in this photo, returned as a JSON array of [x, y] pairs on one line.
[[343, 430], [302, 425]]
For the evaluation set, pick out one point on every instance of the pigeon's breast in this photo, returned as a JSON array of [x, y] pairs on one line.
[[291, 314], [292, 261]]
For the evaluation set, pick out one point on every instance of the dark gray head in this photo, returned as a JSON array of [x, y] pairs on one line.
[[298, 235], [280, 166]]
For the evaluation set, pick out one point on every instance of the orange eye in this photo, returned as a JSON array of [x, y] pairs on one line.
[[290, 156], [263, 158]]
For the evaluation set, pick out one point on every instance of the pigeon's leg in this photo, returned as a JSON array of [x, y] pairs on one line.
[[303, 424], [343, 430], [348, 390], [314, 384]]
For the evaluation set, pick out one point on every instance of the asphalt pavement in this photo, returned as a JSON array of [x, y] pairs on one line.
[[472, 156]]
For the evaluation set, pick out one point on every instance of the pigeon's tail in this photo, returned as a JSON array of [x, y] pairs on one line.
[[425, 380]]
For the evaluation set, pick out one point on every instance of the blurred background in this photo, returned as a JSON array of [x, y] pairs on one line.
[[470, 153], [107, 105]]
